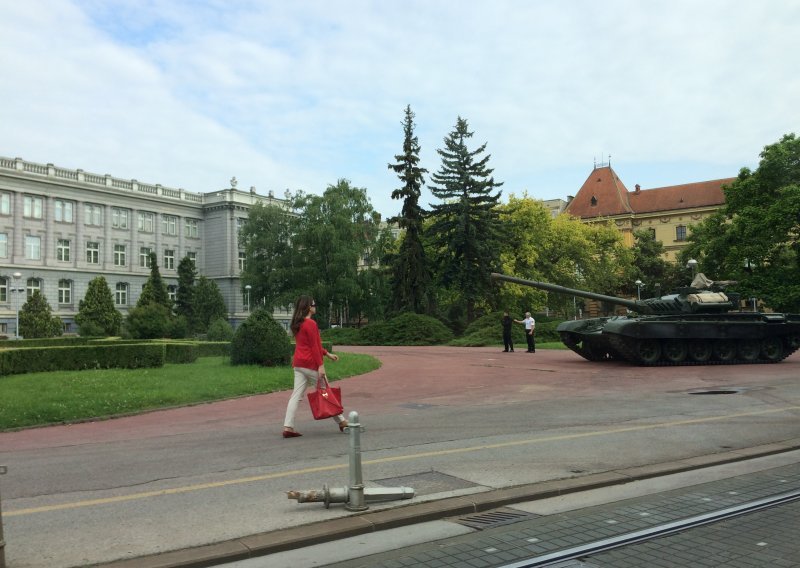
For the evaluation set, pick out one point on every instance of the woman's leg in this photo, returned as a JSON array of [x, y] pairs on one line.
[[302, 379]]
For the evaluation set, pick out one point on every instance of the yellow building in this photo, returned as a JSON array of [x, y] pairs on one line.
[[666, 211]]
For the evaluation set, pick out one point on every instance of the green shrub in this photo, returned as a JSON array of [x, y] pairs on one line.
[[487, 330], [219, 330], [260, 340], [181, 352], [149, 321], [99, 356], [343, 336], [407, 329]]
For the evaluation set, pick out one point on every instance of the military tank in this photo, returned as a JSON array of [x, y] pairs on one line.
[[697, 325]]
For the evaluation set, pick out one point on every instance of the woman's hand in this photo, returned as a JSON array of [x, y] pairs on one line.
[[333, 356]]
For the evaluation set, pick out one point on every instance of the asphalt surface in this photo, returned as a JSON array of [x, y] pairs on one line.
[[470, 429]]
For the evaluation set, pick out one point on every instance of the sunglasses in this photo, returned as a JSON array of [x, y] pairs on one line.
[[314, 305]]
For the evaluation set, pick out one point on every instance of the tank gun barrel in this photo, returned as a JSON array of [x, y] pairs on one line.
[[640, 307]]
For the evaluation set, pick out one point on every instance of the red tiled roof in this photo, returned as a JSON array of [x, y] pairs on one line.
[[603, 195]]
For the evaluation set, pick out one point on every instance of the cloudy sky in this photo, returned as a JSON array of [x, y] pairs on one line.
[[298, 94]]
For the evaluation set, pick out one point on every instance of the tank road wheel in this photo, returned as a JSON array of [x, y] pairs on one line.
[[725, 350], [700, 350], [675, 350], [748, 349], [772, 349], [648, 351]]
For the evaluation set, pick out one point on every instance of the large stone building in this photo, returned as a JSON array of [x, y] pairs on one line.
[[60, 228], [666, 211]]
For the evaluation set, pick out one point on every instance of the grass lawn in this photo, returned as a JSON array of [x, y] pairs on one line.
[[36, 399]]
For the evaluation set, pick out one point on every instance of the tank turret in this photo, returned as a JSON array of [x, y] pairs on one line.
[[698, 324]]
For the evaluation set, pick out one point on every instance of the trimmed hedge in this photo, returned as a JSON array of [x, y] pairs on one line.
[[46, 342], [37, 359], [181, 352]]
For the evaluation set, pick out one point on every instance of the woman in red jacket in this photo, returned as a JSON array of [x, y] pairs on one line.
[[308, 361]]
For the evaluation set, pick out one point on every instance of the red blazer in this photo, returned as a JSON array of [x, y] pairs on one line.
[[308, 351]]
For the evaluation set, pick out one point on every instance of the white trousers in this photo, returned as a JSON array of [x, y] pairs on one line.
[[303, 378]]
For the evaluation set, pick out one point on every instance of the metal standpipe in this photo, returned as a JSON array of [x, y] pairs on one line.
[[2, 539], [356, 496]]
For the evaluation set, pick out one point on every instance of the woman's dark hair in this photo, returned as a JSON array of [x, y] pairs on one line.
[[301, 309]]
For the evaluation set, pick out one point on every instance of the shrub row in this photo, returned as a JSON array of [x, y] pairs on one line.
[[46, 342], [405, 329], [38, 359]]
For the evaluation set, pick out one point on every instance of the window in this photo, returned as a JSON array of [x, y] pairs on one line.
[[92, 253], [119, 218], [172, 292], [33, 247], [146, 221], [121, 294], [652, 232], [33, 285], [93, 214], [64, 211], [169, 259], [120, 255], [3, 245], [62, 250], [32, 207], [190, 228], [242, 260], [240, 221], [192, 256], [65, 291], [5, 204], [3, 290], [680, 233], [169, 225], [144, 257]]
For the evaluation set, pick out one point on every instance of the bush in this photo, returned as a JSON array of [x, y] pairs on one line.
[[343, 336], [150, 321], [260, 340], [91, 328], [219, 330], [407, 329], [487, 330], [100, 356]]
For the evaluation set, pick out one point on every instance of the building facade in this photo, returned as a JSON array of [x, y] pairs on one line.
[[61, 228], [667, 212]]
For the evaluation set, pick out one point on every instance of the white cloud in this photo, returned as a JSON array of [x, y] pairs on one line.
[[300, 94]]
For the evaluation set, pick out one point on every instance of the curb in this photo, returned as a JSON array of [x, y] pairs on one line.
[[263, 544]]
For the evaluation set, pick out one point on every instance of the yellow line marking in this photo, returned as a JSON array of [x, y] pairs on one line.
[[483, 447]]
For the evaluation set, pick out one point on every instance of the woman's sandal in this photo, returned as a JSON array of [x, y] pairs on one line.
[[291, 434], [343, 425]]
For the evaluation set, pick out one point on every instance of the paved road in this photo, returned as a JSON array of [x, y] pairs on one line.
[[450, 422]]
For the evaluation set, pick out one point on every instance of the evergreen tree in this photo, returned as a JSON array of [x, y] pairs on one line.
[[154, 291], [36, 318], [465, 231], [209, 304], [96, 312], [184, 296], [411, 278]]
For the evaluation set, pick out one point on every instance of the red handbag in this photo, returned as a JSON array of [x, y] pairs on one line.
[[326, 401]]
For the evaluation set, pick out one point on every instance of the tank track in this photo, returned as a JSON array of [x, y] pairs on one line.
[[625, 346]]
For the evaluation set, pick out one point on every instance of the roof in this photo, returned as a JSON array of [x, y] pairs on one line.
[[604, 195]]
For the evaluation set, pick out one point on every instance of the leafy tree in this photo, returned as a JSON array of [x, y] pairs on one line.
[[220, 330], [411, 278], [332, 235], [209, 304], [266, 239], [154, 291], [184, 296], [657, 273], [755, 237], [465, 231], [36, 318], [96, 312]]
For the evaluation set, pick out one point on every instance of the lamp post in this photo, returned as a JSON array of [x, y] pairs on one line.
[[16, 276], [247, 294], [639, 285], [693, 265]]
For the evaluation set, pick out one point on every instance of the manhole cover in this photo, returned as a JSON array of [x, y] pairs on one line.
[[427, 483]]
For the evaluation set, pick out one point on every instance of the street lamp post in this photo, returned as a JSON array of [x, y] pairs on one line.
[[16, 276], [639, 285], [247, 293]]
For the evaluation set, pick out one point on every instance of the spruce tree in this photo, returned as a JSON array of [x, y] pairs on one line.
[[411, 276], [96, 312], [209, 304], [36, 318], [465, 230], [184, 296], [154, 291]]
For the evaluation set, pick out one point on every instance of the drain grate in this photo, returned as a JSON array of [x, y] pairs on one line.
[[495, 518]]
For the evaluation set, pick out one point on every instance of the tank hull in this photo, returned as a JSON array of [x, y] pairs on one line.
[[697, 339]]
